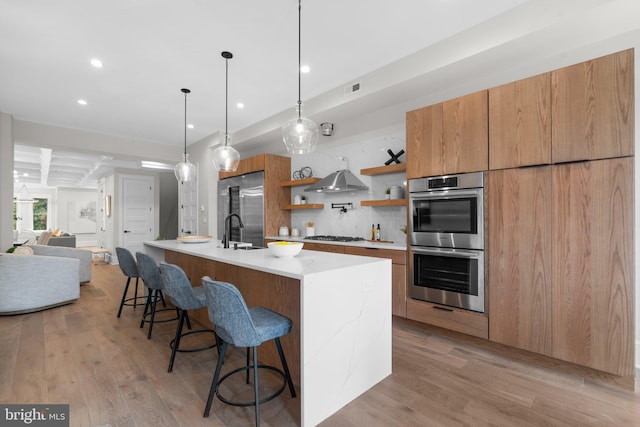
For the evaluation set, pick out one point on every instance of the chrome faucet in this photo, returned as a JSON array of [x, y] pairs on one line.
[[227, 229]]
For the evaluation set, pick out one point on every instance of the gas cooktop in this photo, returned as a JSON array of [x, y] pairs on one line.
[[335, 238]]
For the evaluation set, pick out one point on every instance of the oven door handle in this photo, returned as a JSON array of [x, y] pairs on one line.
[[446, 194], [446, 252]]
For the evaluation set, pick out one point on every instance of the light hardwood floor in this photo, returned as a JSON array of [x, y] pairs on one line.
[[111, 375]]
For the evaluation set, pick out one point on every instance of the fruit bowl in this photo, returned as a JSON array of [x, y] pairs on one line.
[[285, 249]]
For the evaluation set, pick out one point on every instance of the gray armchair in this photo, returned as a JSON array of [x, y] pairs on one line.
[[82, 255]]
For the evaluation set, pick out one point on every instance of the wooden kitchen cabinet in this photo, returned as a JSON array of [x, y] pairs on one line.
[[520, 123], [560, 255], [519, 257], [593, 277], [398, 274], [338, 249], [450, 137], [593, 109]]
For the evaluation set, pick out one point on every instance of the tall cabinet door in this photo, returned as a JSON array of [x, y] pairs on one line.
[[425, 152], [466, 133], [593, 113], [519, 257], [520, 123], [593, 264]]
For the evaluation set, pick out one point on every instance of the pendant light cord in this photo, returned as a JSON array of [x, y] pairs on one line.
[[299, 58], [226, 101], [185, 91], [227, 56]]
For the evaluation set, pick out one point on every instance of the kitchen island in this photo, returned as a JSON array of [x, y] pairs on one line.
[[340, 305]]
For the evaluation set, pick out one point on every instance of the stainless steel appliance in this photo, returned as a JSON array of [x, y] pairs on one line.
[[244, 196], [446, 235]]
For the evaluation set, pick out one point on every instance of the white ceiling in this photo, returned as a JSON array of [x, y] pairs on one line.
[[153, 48]]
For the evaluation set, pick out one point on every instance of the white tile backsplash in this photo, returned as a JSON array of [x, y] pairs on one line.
[[362, 151]]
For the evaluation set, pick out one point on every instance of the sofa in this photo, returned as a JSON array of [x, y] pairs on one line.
[[83, 256], [36, 282], [68, 241]]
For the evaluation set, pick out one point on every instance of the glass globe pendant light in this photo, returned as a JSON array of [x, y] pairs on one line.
[[225, 157], [185, 171], [300, 134]]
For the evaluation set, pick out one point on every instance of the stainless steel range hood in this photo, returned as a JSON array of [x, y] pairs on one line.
[[338, 182]]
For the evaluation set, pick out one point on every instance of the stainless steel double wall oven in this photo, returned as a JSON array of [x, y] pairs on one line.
[[446, 236]]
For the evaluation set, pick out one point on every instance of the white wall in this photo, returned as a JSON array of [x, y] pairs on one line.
[[362, 151], [67, 202]]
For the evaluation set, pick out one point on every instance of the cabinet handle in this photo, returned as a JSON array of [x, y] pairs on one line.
[[442, 308]]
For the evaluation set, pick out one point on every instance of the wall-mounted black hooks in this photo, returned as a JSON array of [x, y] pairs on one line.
[[341, 206]]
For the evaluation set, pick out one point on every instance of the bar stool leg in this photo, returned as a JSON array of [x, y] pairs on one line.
[[153, 313], [176, 340], [285, 367], [255, 384], [214, 383], [135, 301], [124, 295], [147, 306]]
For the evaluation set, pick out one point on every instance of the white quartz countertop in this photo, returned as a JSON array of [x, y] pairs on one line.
[[305, 263], [359, 244]]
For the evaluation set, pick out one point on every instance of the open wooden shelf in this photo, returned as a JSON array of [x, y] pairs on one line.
[[301, 206], [382, 170], [385, 202], [296, 182]]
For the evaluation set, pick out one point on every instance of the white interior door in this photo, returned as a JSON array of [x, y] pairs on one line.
[[137, 211], [188, 194]]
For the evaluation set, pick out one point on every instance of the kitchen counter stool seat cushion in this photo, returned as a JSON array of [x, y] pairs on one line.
[[129, 268], [238, 325], [178, 287], [150, 274]]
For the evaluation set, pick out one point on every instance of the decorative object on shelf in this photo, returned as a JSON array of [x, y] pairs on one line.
[[327, 128], [300, 134], [225, 157], [395, 192], [342, 206], [387, 194], [297, 199], [185, 170], [394, 157], [302, 173], [303, 200]]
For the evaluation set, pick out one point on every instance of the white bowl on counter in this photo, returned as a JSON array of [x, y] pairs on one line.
[[285, 249]]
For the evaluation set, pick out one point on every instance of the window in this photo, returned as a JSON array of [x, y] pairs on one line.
[[31, 215]]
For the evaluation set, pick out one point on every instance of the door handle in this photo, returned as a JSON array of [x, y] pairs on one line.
[[127, 231]]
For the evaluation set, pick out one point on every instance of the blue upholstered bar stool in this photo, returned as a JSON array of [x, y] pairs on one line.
[[240, 326], [127, 264], [150, 273], [178, 287]]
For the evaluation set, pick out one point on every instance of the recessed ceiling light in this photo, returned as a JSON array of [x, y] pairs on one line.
[[96, 63], [25, 174], [82, 102], [190, 126], [240, 105], [305, 69]]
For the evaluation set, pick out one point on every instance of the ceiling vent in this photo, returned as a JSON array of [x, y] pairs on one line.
[[352, 88]]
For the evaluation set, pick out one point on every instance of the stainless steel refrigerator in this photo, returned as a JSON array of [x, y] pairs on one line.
[[242, 195]]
